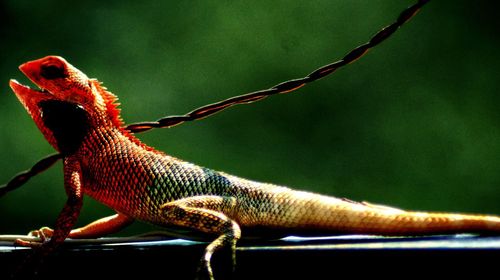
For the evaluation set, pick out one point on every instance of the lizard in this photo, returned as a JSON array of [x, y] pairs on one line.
[[103, 159]]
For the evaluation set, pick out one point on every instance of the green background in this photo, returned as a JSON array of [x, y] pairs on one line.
[[413, 124]]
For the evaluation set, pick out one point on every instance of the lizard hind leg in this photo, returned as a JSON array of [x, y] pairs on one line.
[[210, 215]]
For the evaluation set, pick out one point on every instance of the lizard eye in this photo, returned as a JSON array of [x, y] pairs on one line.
[[52, 71]]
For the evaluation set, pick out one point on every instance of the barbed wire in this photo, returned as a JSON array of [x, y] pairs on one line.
[[208, 110]]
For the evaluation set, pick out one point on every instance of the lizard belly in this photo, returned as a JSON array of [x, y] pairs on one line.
[[138, 183]]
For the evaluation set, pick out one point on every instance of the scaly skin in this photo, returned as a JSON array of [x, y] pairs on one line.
[[80, 119]]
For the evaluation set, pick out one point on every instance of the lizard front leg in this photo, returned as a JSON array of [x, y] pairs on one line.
[[208, 214], [98, 228], [70, 212], [64, 223]]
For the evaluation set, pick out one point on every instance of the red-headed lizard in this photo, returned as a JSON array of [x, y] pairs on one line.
[[104, 160]]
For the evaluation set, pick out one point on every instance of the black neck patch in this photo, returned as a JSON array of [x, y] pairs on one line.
[[69, 123]]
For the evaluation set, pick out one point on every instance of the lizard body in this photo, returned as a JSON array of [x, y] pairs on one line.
[[102, 159]]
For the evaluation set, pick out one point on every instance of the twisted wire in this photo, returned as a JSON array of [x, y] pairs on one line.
[[284, 87], [24, 176]]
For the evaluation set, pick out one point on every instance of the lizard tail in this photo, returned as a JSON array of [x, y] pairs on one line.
[[384, 222], [329, 214]]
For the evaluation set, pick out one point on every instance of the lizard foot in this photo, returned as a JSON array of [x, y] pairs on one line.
[[43, 234], [205, 270]]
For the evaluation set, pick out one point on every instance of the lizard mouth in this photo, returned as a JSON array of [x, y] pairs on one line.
[[27, 95], [18, 87], [23, 90]]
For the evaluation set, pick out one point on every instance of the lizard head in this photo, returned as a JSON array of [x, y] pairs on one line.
[[67, 104]]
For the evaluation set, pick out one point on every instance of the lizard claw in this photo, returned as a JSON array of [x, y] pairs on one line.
[[43, 234], [28, 243]]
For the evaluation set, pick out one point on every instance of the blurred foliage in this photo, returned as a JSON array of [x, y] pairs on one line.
[[414, 124]]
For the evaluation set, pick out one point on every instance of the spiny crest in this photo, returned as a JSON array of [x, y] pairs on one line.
[[113, 113], [111, 103]]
